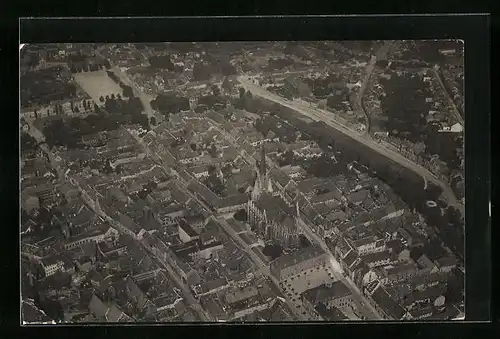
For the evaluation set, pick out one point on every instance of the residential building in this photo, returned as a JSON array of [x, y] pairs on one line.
[[97, 236], [186, 232], [386, 305], [293, 264], [52, 264], [334, 295]]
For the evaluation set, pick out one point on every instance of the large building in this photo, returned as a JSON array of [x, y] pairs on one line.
[[298, 262], [271, 217], [332, 295]]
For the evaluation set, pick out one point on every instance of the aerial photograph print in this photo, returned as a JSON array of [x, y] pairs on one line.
[[207, 182]]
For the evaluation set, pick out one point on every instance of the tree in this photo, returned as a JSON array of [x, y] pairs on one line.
[[241, 90], [154, 104], [213, 151], [211, 169], [241, 215], [193, 147], [215, 90], [128, 92]]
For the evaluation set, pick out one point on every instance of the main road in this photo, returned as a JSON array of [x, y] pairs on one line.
[[363, 305], [145, 98], [124, 77], [40, 138], [456, 112], [326, 117], [35, 133], [296, 306], [188, 296]]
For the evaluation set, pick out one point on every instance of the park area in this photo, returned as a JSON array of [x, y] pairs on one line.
[[97, 84]]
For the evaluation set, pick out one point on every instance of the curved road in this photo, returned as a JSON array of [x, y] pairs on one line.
[[363, 305], [326, 117], [295, 306]]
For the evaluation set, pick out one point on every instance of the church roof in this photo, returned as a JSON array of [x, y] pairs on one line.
[[276, 208]]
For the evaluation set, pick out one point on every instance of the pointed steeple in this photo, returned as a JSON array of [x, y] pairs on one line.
[[262, 165]]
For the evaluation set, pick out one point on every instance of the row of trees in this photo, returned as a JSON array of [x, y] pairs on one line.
[[88, 67], [213, 101], [28, 143], [163, 62], [284, 132], [279, 63], [44, 93], [127, 90], [167, 104], [60, 133], [404, 183]]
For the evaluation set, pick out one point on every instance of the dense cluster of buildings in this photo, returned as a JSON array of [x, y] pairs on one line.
[[176, 223], [440, 112]]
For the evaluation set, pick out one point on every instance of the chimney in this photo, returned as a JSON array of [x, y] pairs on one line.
[[147, 213]]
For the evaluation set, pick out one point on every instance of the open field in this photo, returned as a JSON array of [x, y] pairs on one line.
[[96, 84]]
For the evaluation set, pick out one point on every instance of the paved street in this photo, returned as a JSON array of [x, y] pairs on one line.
[[145, 99], [294, 302], [40, 138], [326, 117], [188, 296], [362, 303], [448, 97]]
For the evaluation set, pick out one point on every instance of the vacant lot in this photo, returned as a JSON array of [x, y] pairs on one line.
[[96, 84]]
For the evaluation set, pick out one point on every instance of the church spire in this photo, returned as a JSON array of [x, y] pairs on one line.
[[263, 166], [262, 184]]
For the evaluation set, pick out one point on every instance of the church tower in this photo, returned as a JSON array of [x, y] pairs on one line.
[[262, 183]]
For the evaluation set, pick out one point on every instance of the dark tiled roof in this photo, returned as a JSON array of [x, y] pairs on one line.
[[325, 293], [387, 304], [275, 207], [378, 256], [333, 195], [187, 228], [296, 257], [446, 261], [351, 257], [358, 196], [401, 268], [431, 293], [234, 200]]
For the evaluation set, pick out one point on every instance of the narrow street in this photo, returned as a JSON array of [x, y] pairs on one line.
[[293, 302], [326, 117], [363, 304], [448, 97], [35, 133], [188, 296]]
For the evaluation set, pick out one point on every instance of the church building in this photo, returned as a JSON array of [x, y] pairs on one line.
[[269, 216]]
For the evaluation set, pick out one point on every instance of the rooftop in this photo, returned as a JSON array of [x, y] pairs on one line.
[[276, 208], [324, 293], [187, 228], [288, 260], [387, 304]]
